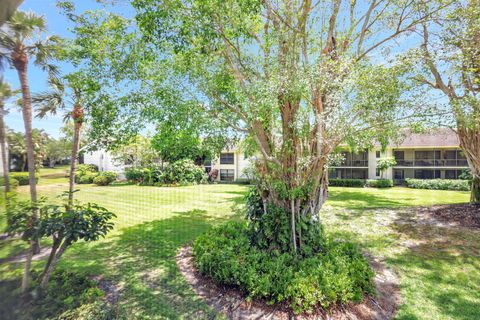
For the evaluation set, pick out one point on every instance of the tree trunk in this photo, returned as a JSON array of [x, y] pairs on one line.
[[20, 62], [470, 144], [28, 264], [53, 252], [77, 115], [53, 263], [3, 150]]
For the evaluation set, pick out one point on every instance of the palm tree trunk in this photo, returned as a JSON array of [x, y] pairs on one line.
[[3, 150], [77, 115], [21, 64]]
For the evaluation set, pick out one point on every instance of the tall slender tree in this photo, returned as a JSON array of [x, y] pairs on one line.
[[5, 93], [61, 95], [20, 41]]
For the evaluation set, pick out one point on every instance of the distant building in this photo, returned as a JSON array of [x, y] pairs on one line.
[[429, 155], [105, 161]]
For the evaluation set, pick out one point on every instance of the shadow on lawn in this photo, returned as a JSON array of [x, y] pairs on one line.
[[141, 261], [444, 263], [360, 200]]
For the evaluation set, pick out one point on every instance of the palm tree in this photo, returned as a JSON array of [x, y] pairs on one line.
[[65, 93], [5, 93], [19, 41]]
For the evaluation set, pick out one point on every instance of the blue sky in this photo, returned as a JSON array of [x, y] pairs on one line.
[[56, 24]]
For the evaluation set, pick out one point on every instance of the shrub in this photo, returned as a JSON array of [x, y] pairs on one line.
[[67, 290], [438, 184], [183, 172], [86, 178], [105, 178], [379, 183], [13, 182], [85, 173], [347, 183], [22, 178], [338, 274]]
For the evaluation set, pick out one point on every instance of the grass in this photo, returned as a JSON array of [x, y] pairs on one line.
[[439, 267]]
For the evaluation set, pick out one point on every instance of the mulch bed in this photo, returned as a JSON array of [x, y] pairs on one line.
[[232, 303], [465, 215]]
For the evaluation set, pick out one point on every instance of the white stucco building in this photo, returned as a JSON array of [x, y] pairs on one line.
[[105, 161]]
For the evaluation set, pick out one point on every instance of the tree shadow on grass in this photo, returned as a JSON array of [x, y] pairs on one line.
[[442, 263], [353, 199], [141, 261]]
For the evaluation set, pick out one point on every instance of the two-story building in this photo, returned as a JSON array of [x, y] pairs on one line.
[[431, 155]]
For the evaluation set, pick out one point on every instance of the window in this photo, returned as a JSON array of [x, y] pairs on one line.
[[399, 155], [427, 174], [377, 172], [377, 154], [452, 174], [398, 174], [227, 174], [227, 158]]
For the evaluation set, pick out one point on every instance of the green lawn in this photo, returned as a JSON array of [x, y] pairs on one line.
[[439, 267]]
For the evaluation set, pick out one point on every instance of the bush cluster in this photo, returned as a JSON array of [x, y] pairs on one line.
[[438, 184], [105, 178], [337, 274], [179, 172], [88, 173], [22, 178], [13, 182], [66, 290], [359, 183], [379, 183]]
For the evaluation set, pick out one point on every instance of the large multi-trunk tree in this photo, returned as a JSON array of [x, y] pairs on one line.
[[451, 53], [299, 77]]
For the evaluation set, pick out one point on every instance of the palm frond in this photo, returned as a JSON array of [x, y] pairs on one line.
[[25, 25]]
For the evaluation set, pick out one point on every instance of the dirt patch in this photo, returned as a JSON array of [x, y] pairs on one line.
[[465, 215], [111, 290], [232, 303]]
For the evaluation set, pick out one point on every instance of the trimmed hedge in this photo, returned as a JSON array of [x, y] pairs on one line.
[[22, 177], [359, 183], [337, 274], [379, 183], [438, 184]]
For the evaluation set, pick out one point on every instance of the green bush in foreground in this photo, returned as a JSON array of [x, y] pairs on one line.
[[13, 182], [359, 183], [379, 183], [104, 178], [22, 177], [438, 184], [338, 274]]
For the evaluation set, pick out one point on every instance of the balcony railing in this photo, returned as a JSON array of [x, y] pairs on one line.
[[353, 163], [432, 163]]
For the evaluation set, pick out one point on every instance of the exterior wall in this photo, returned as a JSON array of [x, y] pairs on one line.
[[104, 161], [240, 163]]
